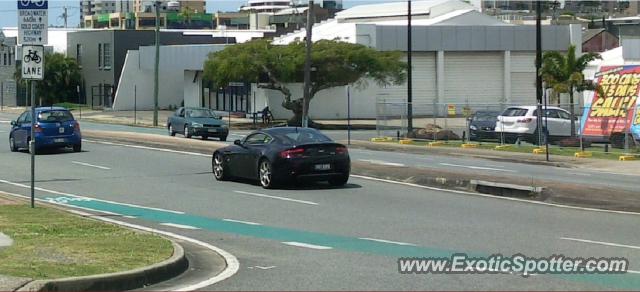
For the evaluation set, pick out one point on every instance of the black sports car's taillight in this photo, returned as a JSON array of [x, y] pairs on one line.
[[342, 150], [292, 153]]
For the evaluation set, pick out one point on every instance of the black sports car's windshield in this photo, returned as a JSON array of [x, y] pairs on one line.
[[55, 116], [201, 113], [300, 136], [486, 116]]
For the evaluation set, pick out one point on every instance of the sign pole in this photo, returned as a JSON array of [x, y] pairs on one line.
[[32, 143]]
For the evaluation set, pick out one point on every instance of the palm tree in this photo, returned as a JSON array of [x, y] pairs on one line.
[[187, 14], [563, 73]]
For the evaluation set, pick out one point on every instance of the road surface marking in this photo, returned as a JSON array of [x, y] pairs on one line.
[[387, 241], [90, 165], [147, 148], [240, 221], [307, 245], [492, 196], [87, 198], [181, 226], [601, 242], [426, 187], [130, 217], [580, 173], [3, 131], [380, 162], [233, 265], [262, 267], [477, 167], [81, 213], [5, 122], [276, 197]]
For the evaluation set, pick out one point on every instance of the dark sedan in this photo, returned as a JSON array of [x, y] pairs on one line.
[[278, 155], [193, 121], [482, 125]]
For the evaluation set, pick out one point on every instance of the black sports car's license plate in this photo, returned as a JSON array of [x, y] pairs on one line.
[[322, 166]]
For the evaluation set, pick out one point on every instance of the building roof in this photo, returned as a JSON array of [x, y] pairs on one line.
[[397, 9], [432, 12], [591, 33]]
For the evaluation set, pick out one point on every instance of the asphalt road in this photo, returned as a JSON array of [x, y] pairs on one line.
[[321, 238], [536, 173]]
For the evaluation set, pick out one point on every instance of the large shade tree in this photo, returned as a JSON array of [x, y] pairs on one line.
[[61, 77], [278, 67], [563, 74]]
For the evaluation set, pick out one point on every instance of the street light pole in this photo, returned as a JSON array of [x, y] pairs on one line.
[[157, 65], [409, 75], [307, 67]]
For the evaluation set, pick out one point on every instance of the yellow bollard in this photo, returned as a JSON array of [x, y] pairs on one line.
[[583, 154], [406, 141], [626, 157], [469, 145]]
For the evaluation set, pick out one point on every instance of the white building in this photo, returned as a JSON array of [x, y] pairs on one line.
[[460, 56], [259, 6]]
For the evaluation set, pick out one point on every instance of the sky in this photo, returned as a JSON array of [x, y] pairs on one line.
[[8, 10]]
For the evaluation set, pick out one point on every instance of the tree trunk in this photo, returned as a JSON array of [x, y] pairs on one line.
[[296, 107], [573, 114]]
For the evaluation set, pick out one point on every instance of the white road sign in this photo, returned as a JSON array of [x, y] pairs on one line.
[[32, 62], [33, 22]]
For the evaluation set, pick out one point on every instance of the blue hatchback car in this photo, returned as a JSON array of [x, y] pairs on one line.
[[55, 127]]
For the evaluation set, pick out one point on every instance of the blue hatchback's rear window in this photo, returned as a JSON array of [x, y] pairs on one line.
[[55, 116]]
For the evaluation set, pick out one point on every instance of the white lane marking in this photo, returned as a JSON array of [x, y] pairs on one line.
[[3, 132], [307, 245], [276, 197], [579, 173], [477, 167], [88, 198], [81, 213], [387, 241], [601, 242], [147, 148], [233, 265], [240, 221], [181, 226], [90, 165], [130, 217], [492, 196], [381, 162], [5, 122], [262, 267], [633, 272], [439, 189]]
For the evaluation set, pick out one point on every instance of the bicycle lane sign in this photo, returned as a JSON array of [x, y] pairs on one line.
[[33, 22], [32, 62]]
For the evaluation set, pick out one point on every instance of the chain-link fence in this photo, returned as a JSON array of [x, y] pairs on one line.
[[604, 126]]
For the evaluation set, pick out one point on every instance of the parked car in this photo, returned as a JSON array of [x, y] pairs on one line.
[[482, 125], [55, 127], [192, 121], [521, 122], [278, 155]]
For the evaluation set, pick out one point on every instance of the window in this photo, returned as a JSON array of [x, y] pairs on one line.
[[106, 59], [564, 115], [256, 139], [514, 112], [79, 54], [5, 59], [100, 56], [55, 116]]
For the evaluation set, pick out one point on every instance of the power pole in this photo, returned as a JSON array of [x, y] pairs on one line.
[[157, 65], [307, 68], [65, 16], [409, 75]]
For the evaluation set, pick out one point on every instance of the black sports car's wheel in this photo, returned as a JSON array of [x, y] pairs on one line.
[[265, 174], [12, 144], [187, 133], [223, 138], [339, 181], [77, 148], [203, 137], [172, 132], [219, 168]]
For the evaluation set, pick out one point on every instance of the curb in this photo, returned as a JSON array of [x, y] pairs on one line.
[[120, 281]]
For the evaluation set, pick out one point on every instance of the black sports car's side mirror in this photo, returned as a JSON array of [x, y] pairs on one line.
[[13, 123], [237, 142]]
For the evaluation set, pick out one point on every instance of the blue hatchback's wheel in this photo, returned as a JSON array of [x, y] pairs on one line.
[[12, 144]]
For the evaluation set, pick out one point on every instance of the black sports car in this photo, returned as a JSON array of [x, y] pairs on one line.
[[278, 155]]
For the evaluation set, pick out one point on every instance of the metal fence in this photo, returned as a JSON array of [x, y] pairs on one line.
[[618, 126]]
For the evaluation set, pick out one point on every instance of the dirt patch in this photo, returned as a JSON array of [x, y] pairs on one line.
[[6, 200]]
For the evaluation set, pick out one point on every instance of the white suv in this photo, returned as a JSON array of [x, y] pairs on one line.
[[521, 121]]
